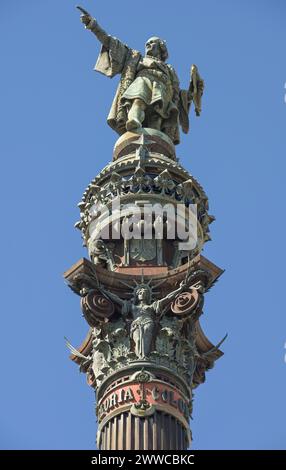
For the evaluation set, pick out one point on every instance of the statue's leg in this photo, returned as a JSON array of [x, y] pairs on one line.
[[147, 338], [135, 334], [136, 115]]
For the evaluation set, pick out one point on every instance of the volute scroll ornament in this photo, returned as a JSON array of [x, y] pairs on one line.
[[96, 307], [185, 302]]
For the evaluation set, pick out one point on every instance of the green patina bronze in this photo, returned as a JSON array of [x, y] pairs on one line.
[[149, 93]]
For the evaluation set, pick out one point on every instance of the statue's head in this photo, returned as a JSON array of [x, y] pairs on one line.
[[99, 246], [143, 294], [156, 47]]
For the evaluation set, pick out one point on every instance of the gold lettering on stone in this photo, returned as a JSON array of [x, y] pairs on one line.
[[121, 396], [155, 393], [129, 394], [113, 400]]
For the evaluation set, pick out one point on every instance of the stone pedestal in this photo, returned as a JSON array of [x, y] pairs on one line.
[[158, 142]]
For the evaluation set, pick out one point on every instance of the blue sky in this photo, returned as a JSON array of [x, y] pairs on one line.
[[54, 140]]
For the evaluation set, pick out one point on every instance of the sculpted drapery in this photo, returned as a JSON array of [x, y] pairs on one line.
[[148, 94], [149, 79]]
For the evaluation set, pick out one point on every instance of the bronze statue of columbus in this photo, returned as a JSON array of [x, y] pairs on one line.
[[149, 93]]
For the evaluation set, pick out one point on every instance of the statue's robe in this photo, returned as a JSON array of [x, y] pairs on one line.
[[151, 80], [143, 324]]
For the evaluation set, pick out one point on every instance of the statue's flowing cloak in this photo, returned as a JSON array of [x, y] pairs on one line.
[[120, 59]]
